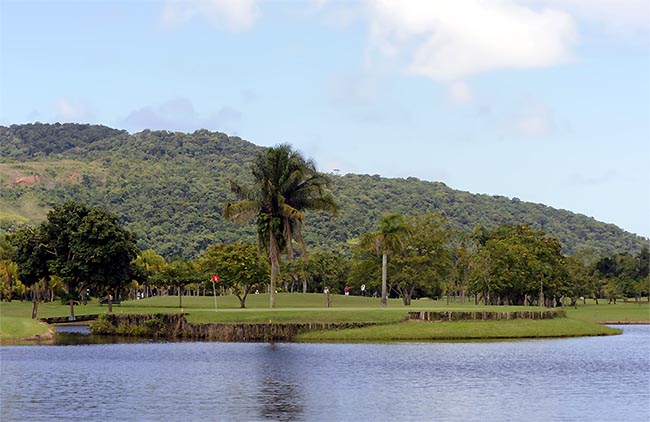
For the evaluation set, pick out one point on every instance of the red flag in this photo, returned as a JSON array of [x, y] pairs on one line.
[[215, 278]]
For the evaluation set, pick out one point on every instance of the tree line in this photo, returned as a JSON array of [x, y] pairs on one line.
[[82, 250]]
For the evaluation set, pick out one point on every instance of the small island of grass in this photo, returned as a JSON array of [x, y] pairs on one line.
[[385, 324]]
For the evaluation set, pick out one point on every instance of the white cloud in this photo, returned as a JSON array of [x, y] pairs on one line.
[[620, 16], [449, 41], [234, 15], [336, 14], [179, 115], [67, 110]]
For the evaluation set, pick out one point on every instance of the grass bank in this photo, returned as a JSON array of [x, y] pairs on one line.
[[16, 328], [16, 323], [463, 330]]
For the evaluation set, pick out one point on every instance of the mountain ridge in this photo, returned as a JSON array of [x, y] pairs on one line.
[[170, 187]]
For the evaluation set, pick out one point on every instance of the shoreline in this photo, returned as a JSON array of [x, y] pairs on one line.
[[48, 339], [433, 321]]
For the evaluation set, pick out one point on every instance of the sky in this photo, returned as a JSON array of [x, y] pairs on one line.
[[544, 100]]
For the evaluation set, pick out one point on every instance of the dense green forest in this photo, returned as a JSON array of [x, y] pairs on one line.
[[170, 188]]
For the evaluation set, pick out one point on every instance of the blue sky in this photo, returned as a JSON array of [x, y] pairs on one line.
[[545, 100]]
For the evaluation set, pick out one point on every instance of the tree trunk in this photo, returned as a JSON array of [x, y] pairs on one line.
[[288, 237], [110, 304], [406, 296], [274, 254], [304, 284], [384, 276], [180, 297], [34, 309], [72, 318], [242, 301]]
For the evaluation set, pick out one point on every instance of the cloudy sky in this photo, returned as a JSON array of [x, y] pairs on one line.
[[544, 100]]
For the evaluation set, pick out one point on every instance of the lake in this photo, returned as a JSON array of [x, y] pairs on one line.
[[581, 379]]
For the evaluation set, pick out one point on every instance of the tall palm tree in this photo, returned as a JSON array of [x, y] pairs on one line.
[[388, 240], [284, 185]]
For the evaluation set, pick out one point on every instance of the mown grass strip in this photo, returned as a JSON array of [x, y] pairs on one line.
[[12, 328], [474, 330]]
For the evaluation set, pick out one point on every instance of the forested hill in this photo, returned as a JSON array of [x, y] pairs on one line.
[[169, 188]]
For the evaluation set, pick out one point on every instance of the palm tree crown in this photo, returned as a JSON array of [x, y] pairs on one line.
[[284, 185]]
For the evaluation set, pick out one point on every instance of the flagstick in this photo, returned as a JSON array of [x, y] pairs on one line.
[[214, 290]]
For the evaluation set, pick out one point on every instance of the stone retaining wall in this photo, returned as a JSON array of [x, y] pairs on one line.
[[484, 315], [176, 326]]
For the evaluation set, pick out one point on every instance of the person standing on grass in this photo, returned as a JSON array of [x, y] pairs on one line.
[[346, 290], [328, 297], [363, 290]]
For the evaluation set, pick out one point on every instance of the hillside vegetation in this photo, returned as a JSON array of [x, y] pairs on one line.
[[169, 188]]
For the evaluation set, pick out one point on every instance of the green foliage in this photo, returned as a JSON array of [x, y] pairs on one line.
[[284, 186], [327, 269], [102, 325], [25, 142], [621, 275], [151, 264], [181, 272], [169, 187], [420, 258], [426, 261], [31, 257], [239, 266], [152, 327], [517, 264], [83, 246]]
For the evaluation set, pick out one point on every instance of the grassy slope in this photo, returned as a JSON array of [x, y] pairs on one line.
[[18, 327], [29, 207], [15, 319]]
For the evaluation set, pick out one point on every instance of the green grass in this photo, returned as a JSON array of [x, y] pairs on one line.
[[14, 328], [15, 317], [463, 330], [621, 312]]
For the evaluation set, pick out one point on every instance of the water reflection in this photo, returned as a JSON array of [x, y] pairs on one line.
[[76, 335], [583, 379], [73, 329], [280, 393]]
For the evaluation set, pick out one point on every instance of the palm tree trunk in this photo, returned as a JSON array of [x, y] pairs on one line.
[[274, 254], [384, 271], [288, 237]]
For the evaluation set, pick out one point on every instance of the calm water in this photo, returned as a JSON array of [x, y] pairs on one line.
[[586, 379]]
